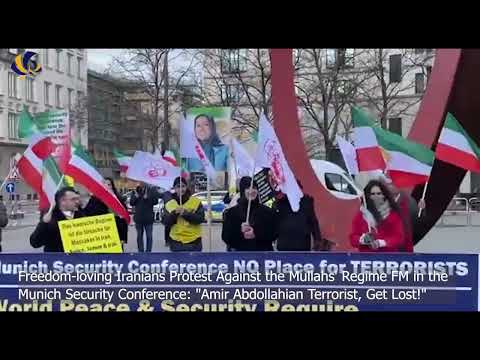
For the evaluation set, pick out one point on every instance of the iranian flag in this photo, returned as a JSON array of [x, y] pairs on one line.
[[41, 144], [30, 166], [407, 163], [369, 153], [81, 168], [170, 157], [456, 147], [123, 160], [52, 180]]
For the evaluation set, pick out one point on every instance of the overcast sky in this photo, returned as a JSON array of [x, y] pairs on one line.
[[99, 59]]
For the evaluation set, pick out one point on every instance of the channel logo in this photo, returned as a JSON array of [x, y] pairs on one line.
[[24, 65]]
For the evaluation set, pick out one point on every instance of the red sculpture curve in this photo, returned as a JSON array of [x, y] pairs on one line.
[[453, 87]]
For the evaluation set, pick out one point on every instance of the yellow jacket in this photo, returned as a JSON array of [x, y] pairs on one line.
[[186, 228]]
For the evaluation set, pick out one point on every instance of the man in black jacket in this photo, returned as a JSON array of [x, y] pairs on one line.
[[47, 232], [3, 220], [297, 231], [144, 199]]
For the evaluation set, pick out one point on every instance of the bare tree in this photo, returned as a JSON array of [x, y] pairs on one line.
[[327, 82], [394, 87], [240, 79], [151, 77]]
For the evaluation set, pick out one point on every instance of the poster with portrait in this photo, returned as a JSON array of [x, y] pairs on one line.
[[211, 126]]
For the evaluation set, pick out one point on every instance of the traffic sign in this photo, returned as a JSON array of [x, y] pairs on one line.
[[10, 187]]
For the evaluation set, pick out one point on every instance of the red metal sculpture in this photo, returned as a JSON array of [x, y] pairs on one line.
[[453, 87]]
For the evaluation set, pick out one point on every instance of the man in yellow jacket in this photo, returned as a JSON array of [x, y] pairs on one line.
[[184, 214]]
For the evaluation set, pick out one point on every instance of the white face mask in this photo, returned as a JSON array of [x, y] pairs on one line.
[[378, 201]]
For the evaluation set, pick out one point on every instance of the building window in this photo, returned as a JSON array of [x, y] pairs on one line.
[[233, 60], [69, 64], [79, 68], [341, 58], [395, 68], [12, 125], [233, 92], [395, 125], [70, 99], [79, 97], [46, 94], [45, 58], [12, 85], [331, 57], [29, 89], [419, 83], [58, 90], [59, 60]]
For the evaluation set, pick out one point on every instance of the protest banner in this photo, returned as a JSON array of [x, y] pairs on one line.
[[56, 125], [93, 234]]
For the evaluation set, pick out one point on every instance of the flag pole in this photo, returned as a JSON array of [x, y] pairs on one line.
[[7, 178], [209, 197], [251, 187], [181, 183], [423, 197], [234, 160], [52, 205]]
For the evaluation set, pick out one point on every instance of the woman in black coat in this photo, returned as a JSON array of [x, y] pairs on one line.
[[256, 235], [96, 207]]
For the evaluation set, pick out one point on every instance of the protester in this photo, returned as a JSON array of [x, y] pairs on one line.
[[408, 208], [96, 207], [297, 231], [216, 152], [382, 213], [185, 217], [144, 199], [47, 232], [258, 233], [3, 220]]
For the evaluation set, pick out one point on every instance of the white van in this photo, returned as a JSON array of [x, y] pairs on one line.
[[336, 180]]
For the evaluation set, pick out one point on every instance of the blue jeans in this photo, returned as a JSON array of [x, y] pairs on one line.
[[148, 232]]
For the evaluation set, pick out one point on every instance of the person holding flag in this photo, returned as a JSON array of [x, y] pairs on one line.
[[378, 225], [298, 228], [47, 232], [255, 234], [184, 214]]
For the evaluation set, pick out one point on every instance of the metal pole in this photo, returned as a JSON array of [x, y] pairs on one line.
[[209, 199], [423, 198]]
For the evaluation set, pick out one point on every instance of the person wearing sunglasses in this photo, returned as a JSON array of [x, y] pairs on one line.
[[378, 226]]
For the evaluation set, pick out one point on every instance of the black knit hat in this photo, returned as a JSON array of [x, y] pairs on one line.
[[245, 184], [177, 181]]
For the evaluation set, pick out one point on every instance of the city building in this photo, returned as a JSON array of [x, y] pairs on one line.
[[61, 84]]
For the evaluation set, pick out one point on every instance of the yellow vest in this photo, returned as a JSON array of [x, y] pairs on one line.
[[183, 231]]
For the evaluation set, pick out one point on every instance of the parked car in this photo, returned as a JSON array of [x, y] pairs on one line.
[[336, 180]]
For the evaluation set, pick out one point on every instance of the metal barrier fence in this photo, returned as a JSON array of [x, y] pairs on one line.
[[467, 210]]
